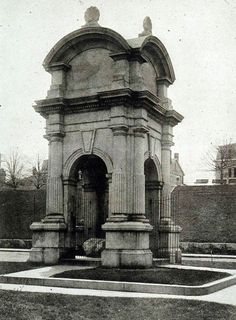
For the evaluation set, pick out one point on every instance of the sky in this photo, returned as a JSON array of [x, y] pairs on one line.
[[200, 37]]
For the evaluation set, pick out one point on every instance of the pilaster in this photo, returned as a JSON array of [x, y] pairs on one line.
[[58, 81], [121, 70], [136, 78]]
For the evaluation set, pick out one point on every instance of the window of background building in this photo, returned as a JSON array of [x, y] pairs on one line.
[[229, 172], [234, 172]]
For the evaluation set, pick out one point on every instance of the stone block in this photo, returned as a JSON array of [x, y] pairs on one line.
[[110, 258], [127, 245], [127, 240], [51, 255], [46, 239], [127, 258], [136, 258], [36, 255]]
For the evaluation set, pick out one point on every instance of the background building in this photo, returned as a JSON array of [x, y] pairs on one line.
[[225, 164], [176, 172]]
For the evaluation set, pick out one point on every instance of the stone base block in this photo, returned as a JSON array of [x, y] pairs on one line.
[[48, 242], [176, 256], [169, 241], [127, 245], [47, 256], [36, 255], [127, 258]]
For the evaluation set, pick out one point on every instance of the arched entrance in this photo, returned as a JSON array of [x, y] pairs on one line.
[[88, 199], [152, 201]]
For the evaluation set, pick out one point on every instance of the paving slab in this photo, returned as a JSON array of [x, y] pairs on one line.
[[44, 277], [225, 296]]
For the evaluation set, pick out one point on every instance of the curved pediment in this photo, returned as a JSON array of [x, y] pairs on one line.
[[84, 39], [151, 48]]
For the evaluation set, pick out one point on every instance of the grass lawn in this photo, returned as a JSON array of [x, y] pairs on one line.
[[155, 275], [9, 267], [38, 306]]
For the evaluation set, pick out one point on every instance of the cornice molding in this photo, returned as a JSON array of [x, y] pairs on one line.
[[108, 99]]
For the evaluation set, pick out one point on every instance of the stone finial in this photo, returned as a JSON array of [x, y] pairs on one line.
[[91, 17], [147, 27]]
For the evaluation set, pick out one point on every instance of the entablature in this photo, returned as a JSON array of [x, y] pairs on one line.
[[108, 99]]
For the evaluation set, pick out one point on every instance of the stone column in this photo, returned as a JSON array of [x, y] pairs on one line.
[[138, 176], [119, 177], [165, 164], [48, 240], [54, 182], [109, 189], [127, 233], [169, 232]]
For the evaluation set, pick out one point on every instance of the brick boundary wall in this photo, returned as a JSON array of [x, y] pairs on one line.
[[18, 209], [206, 213]]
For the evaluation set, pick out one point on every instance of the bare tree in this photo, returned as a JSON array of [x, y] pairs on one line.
[[39, 174], [220, 159], [14, 169]]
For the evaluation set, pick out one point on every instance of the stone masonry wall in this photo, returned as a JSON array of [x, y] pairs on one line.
[[206, 213]]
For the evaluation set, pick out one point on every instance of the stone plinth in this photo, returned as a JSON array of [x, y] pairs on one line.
[[169, 241], [127, 245], [48, 242]]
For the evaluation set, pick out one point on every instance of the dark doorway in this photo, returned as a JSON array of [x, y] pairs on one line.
[[91, 198], [152, 202]]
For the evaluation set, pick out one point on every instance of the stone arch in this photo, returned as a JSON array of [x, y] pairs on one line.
[[157, 164], [157, 54], [85, 39], [68, 167]]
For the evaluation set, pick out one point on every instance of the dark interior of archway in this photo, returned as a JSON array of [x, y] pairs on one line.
[[152, 201], [92, 197]]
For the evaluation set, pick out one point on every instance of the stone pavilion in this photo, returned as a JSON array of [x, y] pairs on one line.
[[109, 125]]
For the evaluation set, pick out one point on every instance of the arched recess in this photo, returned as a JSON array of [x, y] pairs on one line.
[[70, 163], [156, 162], [153, 186], [86, 180]]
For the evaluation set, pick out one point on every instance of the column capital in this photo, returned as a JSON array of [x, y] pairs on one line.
[[140, 131], [166, 144], [163, 81], [55, 137], [119, 130]]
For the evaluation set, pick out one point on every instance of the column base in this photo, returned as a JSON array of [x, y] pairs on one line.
[[48, 242], [127, 245]]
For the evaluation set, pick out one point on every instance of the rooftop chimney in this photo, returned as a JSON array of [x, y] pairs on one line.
[[176, 156]]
